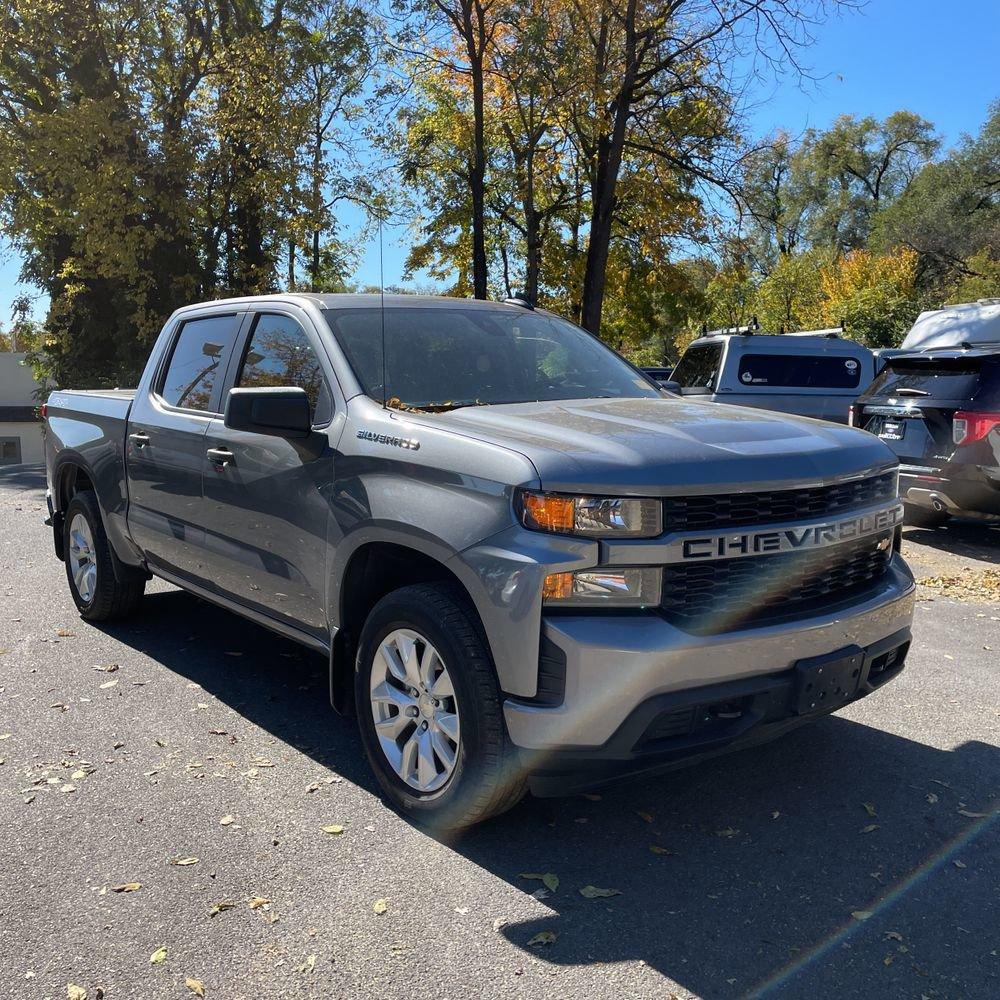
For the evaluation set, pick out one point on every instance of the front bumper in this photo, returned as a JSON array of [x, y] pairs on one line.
[[614, 667]]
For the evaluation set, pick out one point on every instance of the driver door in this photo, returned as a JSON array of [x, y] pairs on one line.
[[266, 498]]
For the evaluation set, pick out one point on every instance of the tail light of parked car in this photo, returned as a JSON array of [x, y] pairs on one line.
[[968, 427]]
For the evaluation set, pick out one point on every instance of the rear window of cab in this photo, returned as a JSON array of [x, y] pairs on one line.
[[800, 371]]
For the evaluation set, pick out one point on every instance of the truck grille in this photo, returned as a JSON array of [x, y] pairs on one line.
[[737, 510], [712, 597]]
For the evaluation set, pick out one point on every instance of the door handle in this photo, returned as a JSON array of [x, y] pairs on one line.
[[220, 457], [139, 439]]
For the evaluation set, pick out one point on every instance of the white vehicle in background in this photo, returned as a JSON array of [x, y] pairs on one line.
[[815, 373], [968, 324]]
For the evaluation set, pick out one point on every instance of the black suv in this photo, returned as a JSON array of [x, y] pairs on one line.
[[939, 410]]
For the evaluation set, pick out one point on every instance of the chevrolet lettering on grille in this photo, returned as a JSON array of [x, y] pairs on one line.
[[798, 538]]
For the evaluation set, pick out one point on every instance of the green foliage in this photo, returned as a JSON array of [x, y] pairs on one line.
[[155, 155]]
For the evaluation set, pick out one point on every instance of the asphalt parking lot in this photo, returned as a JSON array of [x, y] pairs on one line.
[[858, 857]]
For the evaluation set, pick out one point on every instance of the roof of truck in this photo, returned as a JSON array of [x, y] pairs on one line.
[[363, 300], [778, 343]]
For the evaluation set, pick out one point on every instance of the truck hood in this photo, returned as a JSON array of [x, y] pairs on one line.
[[668, 446]]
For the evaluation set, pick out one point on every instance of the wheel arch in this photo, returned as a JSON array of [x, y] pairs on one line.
[[373, 569]]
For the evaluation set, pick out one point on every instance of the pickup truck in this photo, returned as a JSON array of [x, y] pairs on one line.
[[527, 566]]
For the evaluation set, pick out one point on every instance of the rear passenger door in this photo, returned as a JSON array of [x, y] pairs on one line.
[[165, 445], [267, 499]]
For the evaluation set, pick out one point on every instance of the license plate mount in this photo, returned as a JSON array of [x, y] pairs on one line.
[[823, 683]]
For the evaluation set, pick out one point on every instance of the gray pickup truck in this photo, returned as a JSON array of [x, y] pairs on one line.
[[527, 566]]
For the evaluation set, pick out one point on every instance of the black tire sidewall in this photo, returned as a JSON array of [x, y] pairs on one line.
[[404, 610], [80, 504]]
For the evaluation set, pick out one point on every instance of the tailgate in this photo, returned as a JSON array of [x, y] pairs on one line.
[[912, 404]]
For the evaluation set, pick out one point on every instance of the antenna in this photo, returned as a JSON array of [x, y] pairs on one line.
[[381, 289]]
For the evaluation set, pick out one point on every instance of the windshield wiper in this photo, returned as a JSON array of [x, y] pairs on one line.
[[397, 404]]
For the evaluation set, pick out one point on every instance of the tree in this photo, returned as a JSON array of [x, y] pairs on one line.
[[950, 213], [791, 296], [858, 166], [874, 296]]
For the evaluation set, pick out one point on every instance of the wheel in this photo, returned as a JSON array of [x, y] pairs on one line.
[[429, 709], [99, 592], [924, 517]]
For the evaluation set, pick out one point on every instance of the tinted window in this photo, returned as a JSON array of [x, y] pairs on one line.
[[441, 357], [200, 354], [800, 371], [279, 354], [941, 378], [699, 367]]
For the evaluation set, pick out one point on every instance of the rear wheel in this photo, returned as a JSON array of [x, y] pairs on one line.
[[924, 517], [429, 709], [99, 592]]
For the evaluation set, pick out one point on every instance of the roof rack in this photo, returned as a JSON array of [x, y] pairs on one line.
[[733, 331]]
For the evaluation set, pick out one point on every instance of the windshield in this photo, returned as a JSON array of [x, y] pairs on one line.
[[443, 357], [699, 366]]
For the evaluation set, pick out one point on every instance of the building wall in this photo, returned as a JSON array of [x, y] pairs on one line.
[[19, 430]]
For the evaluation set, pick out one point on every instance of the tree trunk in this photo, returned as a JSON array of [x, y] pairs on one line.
[[477, 183]]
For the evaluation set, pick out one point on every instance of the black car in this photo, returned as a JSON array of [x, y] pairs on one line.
[[939, 410]]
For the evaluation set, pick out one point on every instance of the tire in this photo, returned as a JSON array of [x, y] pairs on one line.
[[924, 517], [103, 588], [486, 777]]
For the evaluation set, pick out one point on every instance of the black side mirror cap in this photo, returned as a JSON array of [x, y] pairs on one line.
[[279, 412]]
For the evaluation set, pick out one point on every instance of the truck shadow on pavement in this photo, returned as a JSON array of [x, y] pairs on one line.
[[840, 860], [969, 539]]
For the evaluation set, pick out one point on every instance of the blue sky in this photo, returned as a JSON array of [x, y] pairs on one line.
[[936, 59]]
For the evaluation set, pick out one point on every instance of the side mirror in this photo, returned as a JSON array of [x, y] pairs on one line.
[[670, 385], [280, 412]]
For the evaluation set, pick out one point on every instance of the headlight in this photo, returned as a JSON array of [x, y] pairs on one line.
[[629, 587], [593, 517]]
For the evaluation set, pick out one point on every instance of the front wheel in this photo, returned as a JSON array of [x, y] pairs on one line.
[[429, 709], [100, 593]]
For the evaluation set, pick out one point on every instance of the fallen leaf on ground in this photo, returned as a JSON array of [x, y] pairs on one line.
[[971, 814], [861, 914], [257, 902], [127, 887], [78, 775], [380, 905], [310, 963], [219, 907], [656, 849], [870, 809], [594, 892], [64, 633], [959, 864], [550, 879], [109, 684], [893, 936], [182, 862], [158, 957], [196, 986], [109, 669], [931, 798], [68, 788], [542, 937], [227, 821], [728, 832], [333, 828], [870, 828], [75, 992]]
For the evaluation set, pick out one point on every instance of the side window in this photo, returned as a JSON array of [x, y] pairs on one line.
[[789, 371], [279, 354], [200, 353]]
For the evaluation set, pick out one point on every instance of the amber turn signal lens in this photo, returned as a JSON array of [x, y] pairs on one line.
[[549, 513], [557, 587]]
